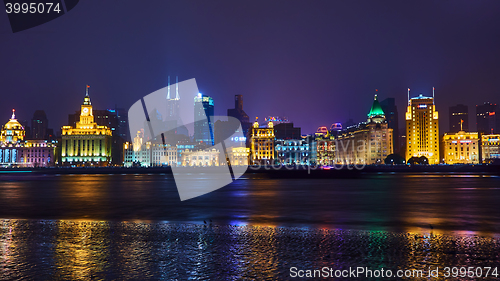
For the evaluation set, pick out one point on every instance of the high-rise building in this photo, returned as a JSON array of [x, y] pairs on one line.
[[422, 128], [87, 143], [204, 112], [238, 113], [391, 116], [486, 118], [39, 125], [368, 143], [459, 118]]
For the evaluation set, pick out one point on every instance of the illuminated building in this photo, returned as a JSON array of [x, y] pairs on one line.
[[203, 112], [262, 143], [149, 154], [335, 129], [12, 131], [422, 128], [461, 148], [86, 143], [490, 147], [203, 158], [367, 143], [238, 156], [459, 118], [487, 119], [292, 151], [15, 150], [110, 119], [322, 149]]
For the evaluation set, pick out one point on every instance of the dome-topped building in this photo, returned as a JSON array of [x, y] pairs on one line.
[[12, 131], [376, 113]]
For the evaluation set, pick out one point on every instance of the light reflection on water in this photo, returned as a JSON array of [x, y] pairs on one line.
[[380, 202], [77, 250], [118, 227]]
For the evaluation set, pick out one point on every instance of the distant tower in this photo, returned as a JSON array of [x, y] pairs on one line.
[[459, 118], [422, 129], [39, 125], [240, 114], [486, 118], [392, 117]]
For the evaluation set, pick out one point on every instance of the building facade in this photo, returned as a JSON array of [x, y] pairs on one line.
[[368, 143], [238, 156], [262, 144], [200, 158], [17, 151], [149, 155], [490, 148], [461, 148], [292, 151], [86, 143], [422, 129]]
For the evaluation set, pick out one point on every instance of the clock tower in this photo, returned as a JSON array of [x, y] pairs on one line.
[[86, 116], [86, 144]]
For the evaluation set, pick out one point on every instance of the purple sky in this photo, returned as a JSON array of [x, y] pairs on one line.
[[316, 62]]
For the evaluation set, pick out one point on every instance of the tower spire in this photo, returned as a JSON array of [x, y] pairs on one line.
[[87, 91], [168, 88], [13, 114], [408, 96], [177, 87], [432, 95]]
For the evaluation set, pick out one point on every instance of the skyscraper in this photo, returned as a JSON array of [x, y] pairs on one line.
[[204, 112], [39, 125], [459, 118], [422, 128], [391, 116], [240, 114], [486, 118]]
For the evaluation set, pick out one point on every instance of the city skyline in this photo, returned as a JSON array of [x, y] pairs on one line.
[[274, 64]]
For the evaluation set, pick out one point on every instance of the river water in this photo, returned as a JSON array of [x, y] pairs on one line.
[[116, 227]]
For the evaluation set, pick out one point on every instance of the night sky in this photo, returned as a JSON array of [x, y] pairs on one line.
[[315, 62]]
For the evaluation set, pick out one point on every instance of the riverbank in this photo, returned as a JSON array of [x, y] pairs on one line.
[[275, 171]]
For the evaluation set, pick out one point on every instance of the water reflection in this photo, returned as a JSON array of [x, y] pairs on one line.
[[76, 250]]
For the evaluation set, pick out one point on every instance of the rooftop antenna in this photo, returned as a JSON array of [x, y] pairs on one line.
[[168, 88], [87, 91], [432, 95], [408, 96], [176, 87], [13, 114]]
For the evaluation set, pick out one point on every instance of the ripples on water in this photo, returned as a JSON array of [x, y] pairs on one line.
[[118, 227], [71, 250]]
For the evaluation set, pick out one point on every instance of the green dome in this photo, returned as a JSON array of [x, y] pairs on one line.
[[376, 109]]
